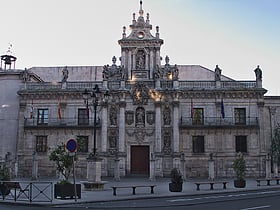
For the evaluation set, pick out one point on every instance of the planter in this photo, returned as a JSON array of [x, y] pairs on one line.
[[175, 187], [66, 191], [239, 183]]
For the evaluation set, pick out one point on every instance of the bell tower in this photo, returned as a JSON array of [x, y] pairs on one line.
[[140, 50]]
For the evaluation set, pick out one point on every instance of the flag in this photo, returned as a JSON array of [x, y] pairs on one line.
[[58, 109], [31, 110], [222, 109], [192, 110]]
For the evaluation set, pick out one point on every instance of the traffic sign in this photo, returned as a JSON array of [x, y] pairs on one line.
[[71, 145]]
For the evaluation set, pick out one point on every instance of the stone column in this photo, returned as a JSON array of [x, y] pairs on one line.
[[133, 61], [211, 168], [121, 146], [268, 166], [275, 168], [117, 169], [183, 168], [157, 57], [129, 63], [158, 126], [146, 63], [151, 63], [176, 125], [34, 166], [94, 169], [152, 168]]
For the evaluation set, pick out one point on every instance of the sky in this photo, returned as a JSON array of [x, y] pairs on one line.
[[237, 35]]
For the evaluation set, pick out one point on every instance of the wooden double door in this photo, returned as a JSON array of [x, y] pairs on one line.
[[140, 160]]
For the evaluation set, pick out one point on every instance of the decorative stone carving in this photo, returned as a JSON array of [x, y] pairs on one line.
[[65, 73], [113, 114], [25, 75], [114, 72], [167, 141], [140, 93], [168, 72], [218, 72], [150, 117], [140, 134], [129, 117]]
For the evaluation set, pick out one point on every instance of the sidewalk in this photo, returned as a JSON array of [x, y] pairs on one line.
[[161, 190]]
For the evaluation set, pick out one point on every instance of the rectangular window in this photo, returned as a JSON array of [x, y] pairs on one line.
[[83, 116], [241, 144], [82, 142], [240, 116], [198, 116], [198, 144], [43, 116], [41, 144]]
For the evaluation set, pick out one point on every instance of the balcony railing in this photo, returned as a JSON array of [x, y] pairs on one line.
[[218, 122], [64, 122], [115, 85]]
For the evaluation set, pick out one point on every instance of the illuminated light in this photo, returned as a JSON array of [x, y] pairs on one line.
[[5, 106], [155, 95], [170, 76], [133, 78]]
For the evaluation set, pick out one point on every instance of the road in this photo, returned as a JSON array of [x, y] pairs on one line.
[[255, 200]]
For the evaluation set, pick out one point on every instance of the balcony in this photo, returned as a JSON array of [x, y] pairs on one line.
[[61, 123], [218, 122]]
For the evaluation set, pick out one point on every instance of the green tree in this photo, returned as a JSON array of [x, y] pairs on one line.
[[239, 166], [63, 161]]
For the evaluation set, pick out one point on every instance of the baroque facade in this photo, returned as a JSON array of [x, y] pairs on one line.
[[157, 117]]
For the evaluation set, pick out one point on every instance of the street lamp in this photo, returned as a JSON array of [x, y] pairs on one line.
[[95, 95]]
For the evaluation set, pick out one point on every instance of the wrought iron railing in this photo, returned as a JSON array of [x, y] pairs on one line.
[[27, 191], [64, 122], [218, 121]]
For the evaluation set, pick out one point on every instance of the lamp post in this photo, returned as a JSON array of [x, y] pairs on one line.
[[95, 95], [92, 98]]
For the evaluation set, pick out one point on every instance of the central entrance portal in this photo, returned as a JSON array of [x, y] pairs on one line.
[[140, 160]]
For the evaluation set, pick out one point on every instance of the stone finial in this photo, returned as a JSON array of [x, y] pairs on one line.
[[124, 32], [141, 12]]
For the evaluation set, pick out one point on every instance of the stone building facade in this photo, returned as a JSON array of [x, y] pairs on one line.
[[157, 117]]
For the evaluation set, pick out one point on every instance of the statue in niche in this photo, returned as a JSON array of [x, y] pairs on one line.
[[113, 140], [140, 116], [218, 72], [167, 142], [64, 74], [166, 115], [258, 73], [140, 60], [113, 116]]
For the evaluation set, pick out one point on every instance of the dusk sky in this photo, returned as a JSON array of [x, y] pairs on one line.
[[237, 35]]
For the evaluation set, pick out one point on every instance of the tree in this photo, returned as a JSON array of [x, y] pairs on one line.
[[239, 166], [275, 144], [63, 161]]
